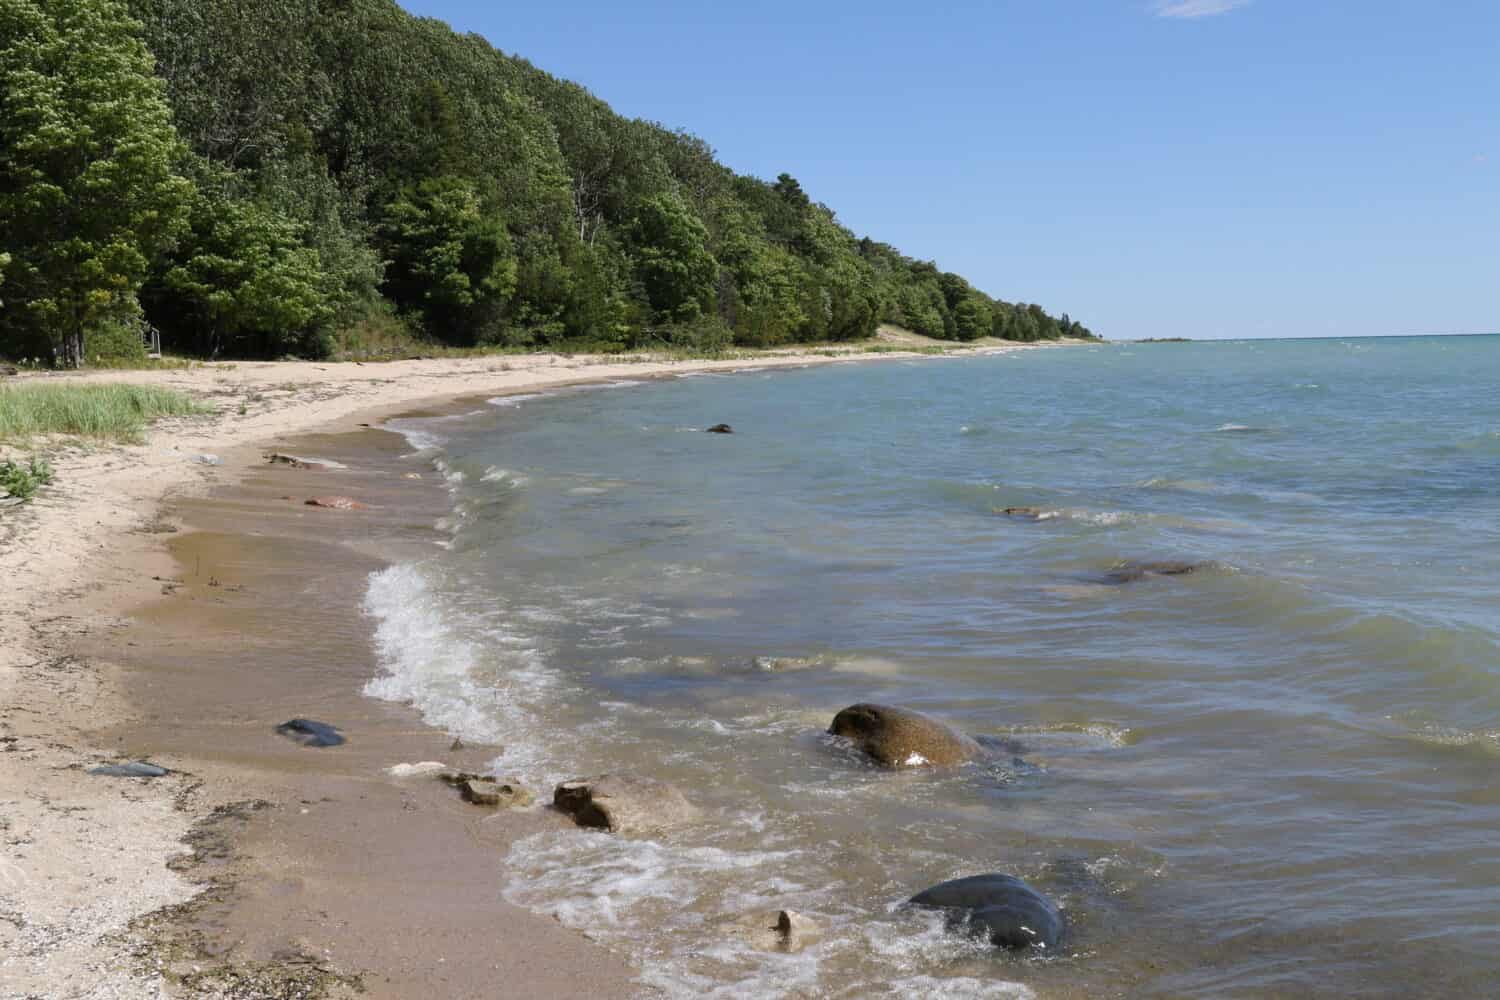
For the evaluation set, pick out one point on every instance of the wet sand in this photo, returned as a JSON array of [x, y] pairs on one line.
[[326, 872]]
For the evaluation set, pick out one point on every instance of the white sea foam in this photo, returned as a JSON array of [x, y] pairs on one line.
[[693, 895], [495, 474], [516, 400], [419, 434], [486, 694]]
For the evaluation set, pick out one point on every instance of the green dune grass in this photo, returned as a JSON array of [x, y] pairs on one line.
[[99, 412]]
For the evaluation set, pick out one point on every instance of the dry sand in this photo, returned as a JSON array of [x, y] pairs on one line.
[[258, 868]]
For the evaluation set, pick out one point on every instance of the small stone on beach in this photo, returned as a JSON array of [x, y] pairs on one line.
[[495, 793], [135, 769], [336, 503], [311, 733], [415, 770], [310, 464]]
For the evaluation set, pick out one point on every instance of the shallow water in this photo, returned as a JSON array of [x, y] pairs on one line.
[[1273, 775]]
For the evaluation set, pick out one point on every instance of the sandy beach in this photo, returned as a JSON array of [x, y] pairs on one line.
[[174, 601]]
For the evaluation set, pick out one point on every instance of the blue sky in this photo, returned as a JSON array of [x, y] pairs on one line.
[[1201, 168]]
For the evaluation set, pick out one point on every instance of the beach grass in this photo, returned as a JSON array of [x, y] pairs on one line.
[[117, 413]]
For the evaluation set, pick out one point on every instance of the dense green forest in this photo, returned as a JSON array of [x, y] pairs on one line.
[[259, 178]]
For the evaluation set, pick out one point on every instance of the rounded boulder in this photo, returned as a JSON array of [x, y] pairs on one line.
[[899, 737], [1002, 908]]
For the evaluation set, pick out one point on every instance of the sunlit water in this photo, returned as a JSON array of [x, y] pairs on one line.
[[1273, 776]]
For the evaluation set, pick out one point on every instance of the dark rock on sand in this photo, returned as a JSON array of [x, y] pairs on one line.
[[1131, 572], [135, 769], [495, 793], [296, 462], [720, 429], [336, 503], [899, 737], [624, 803], [311, 733], [1002, 908]]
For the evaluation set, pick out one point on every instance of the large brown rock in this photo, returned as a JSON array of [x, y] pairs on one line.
[[899, 737], [623, 803]]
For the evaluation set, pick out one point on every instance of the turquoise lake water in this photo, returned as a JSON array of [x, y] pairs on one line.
[[1274, 775]]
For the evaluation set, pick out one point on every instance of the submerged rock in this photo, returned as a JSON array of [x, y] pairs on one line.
[[135, 769], [311, 733], [1002, 908], [623, 803], [720, 429], [1024, 513], [1131, 572], [495, 793], [899, 737], [779, 930], [336, 503]]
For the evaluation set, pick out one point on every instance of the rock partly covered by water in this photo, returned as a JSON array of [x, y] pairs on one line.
[[1002, 908], [495, 793], [311, 733], [1024, 513], [298, 462], [624, 803], [899, 737], [1131, 572], [336, 503], [720, 429], [779, 930]]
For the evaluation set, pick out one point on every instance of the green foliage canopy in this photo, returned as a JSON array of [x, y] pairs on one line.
[[341, 160], [89, 194]]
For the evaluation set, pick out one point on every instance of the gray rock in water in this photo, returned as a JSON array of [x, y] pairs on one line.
[[311, 733], [1002, 908], [135, 769], [899, 737], [624, 803], [720, 429]]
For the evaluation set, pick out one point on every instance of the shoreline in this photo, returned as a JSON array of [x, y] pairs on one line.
[[90, 858]]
